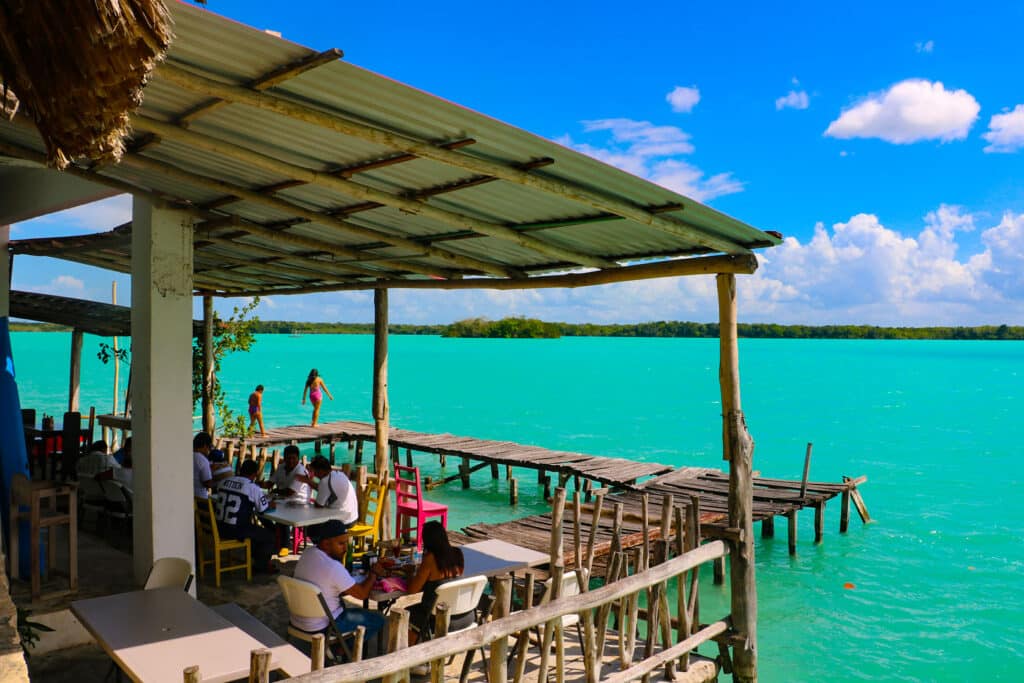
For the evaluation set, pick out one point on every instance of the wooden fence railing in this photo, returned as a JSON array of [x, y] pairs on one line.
[[593, 607]]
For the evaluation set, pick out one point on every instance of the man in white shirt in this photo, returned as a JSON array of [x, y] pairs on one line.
[[96, 463], [285, 481], [202, 479], [323, 565], [238, 501], [334, 490]]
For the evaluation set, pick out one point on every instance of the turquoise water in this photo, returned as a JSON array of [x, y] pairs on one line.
[[934, 425]]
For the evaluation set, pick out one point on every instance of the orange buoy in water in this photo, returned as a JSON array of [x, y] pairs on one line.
[[848, 586]]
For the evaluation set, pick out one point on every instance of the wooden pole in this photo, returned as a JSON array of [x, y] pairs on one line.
[[117, 366], [74, 382], [768, 527], [499, 648], [791, 517], [191, 674], [259, 666], [208, 366], [380, 407], [316, 652], [807, 470], [819, 522], [738, 449], [442, 621], [844, 512], [513, 492]]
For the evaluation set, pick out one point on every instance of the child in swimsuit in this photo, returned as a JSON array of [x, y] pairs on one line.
[[256, 409], [316, 388]]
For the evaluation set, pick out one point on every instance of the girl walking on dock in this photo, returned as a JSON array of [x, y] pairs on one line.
[[316, 388]]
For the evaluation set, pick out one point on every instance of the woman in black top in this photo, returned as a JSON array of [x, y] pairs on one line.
[[441, 562]]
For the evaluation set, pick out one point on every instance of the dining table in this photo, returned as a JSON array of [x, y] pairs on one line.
[[154, 635]]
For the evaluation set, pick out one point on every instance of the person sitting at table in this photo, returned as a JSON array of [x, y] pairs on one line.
[[333, 490], [97, 463], [220, 468], [285, 481], [238, 501], [202, 478], [125, 474], [125, 451], [442, 562], [324, 566]]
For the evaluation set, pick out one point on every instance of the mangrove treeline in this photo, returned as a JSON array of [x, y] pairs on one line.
[[531, 328]]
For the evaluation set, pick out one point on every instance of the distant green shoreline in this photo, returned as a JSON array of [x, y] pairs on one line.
[[530, 328]]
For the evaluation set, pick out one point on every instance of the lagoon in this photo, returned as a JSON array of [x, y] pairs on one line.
[[935, 425]]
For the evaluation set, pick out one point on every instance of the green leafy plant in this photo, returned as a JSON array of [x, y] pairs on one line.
[[231, 335], [108, 352], [29, 630]]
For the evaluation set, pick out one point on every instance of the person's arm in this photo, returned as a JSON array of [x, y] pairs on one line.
[[326, 390], [361, 591], [427, 567], [304, 390], [205, 476]]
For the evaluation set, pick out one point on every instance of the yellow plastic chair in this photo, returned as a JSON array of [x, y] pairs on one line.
[[366, 533], [209, 538]]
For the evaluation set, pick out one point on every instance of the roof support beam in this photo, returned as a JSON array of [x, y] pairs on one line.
[[353, 189], [268, 80], [267, 102], [465, 262], [703, 265], [308, 268]]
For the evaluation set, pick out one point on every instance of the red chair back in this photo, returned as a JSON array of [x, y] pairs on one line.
[[408, 490]]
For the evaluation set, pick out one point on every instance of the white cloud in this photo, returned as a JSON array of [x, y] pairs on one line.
[[683, 99], [89, 218], [909, 111], [1006, 131], [653, 152], [925, 46], [794, 99], [62, 285]]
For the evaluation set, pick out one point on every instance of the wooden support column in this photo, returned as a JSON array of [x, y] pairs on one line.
[[74, 382], [791, 517], [844, 512], [819, 522], [768, 527], [738, 449], [381, 408], [209, 424]]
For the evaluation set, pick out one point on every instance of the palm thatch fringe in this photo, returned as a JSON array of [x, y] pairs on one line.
[[78, 69]]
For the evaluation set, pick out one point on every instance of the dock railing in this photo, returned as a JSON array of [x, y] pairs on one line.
[[594, 608]]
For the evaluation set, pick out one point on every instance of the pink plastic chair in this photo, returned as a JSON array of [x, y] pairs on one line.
[[409, 504]]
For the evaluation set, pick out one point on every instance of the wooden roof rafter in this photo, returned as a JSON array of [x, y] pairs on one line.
[[351, 188], [274, 77], [188, 77]]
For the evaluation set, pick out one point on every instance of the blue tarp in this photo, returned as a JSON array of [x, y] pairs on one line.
[[13, 458]]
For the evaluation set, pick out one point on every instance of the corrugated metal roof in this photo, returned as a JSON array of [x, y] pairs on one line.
[[342, 177]]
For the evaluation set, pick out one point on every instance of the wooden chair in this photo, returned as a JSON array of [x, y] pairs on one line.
[[366, 533], [409, 504], [28, 417], [463, 597], [70, 447], [304, 599], [209, 539]]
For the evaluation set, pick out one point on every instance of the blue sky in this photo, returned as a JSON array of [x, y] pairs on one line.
[[884, 140]]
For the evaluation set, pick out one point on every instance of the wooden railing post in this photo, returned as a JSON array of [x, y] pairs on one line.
[[738, 449], [499, 648], [442, 619], [259, 666], [316, 652]]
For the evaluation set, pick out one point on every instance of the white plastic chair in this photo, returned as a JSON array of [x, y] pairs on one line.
[[304, 599], [170, 572], [570, 587], [118, 503], [462, 597], [93, 498]]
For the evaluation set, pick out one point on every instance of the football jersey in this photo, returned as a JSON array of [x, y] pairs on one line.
[[237, 501]]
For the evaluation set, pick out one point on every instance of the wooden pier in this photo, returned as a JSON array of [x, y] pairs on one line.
[[615, 472]]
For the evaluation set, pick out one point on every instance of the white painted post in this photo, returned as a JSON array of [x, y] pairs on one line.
[[161, 391]]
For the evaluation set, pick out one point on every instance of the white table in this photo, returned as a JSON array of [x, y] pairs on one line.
[[155, 635], [290, 659], [493, 557], [303, 514]]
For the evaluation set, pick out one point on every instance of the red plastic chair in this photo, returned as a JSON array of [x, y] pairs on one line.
[[409, 504]]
